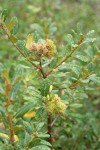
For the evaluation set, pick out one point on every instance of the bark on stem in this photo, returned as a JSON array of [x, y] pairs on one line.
[[49, 121], [49, 129], [11, 139], [10, 121]]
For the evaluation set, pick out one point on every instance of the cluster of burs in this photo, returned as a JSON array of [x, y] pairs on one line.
[[45, 48], [54, 105]]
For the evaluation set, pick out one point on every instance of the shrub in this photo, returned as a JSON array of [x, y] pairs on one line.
[[42, 98]]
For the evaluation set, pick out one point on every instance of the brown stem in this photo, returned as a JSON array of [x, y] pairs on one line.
[[49, 129], [54, 121], [11, 137], [10, 121], [41, 69], [8, 87], [49, 122]]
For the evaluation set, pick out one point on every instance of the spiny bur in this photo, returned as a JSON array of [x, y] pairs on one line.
[[54, 105], [45, 48]]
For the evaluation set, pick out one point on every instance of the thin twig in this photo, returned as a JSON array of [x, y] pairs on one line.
[[68, 56], [3, 26], [54, 121], [41, 69], [78, 82], [73, 85], [9, 117], [49, 129]]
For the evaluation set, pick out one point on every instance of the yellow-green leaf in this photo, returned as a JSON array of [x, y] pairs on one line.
[[5, 74], [10, 25], [16, 139], [29, 41], [4, 135], [13, 38], [29, 114]]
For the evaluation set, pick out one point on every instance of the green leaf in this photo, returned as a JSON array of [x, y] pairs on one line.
[[4, 15], [14, 90], [43, 135], [28, 127], [39, 126], [6, 146], [37, 27], [15, 27], [45, 143], [45, 86], [82, 58], [37, 141], [41, 147], [3, 140], [36, 36], [53, 62], [22, 47], [40, 113], [79, 28], [89, 40], [76, 105], [4, 118], [27, 107], [70, 40], [2, 110], [34, 142], [94, 78], [76, 69], [11, 71], [1, 89], [10, 25], [26, 139], [90, 32], [91, 66], [1, 68]]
